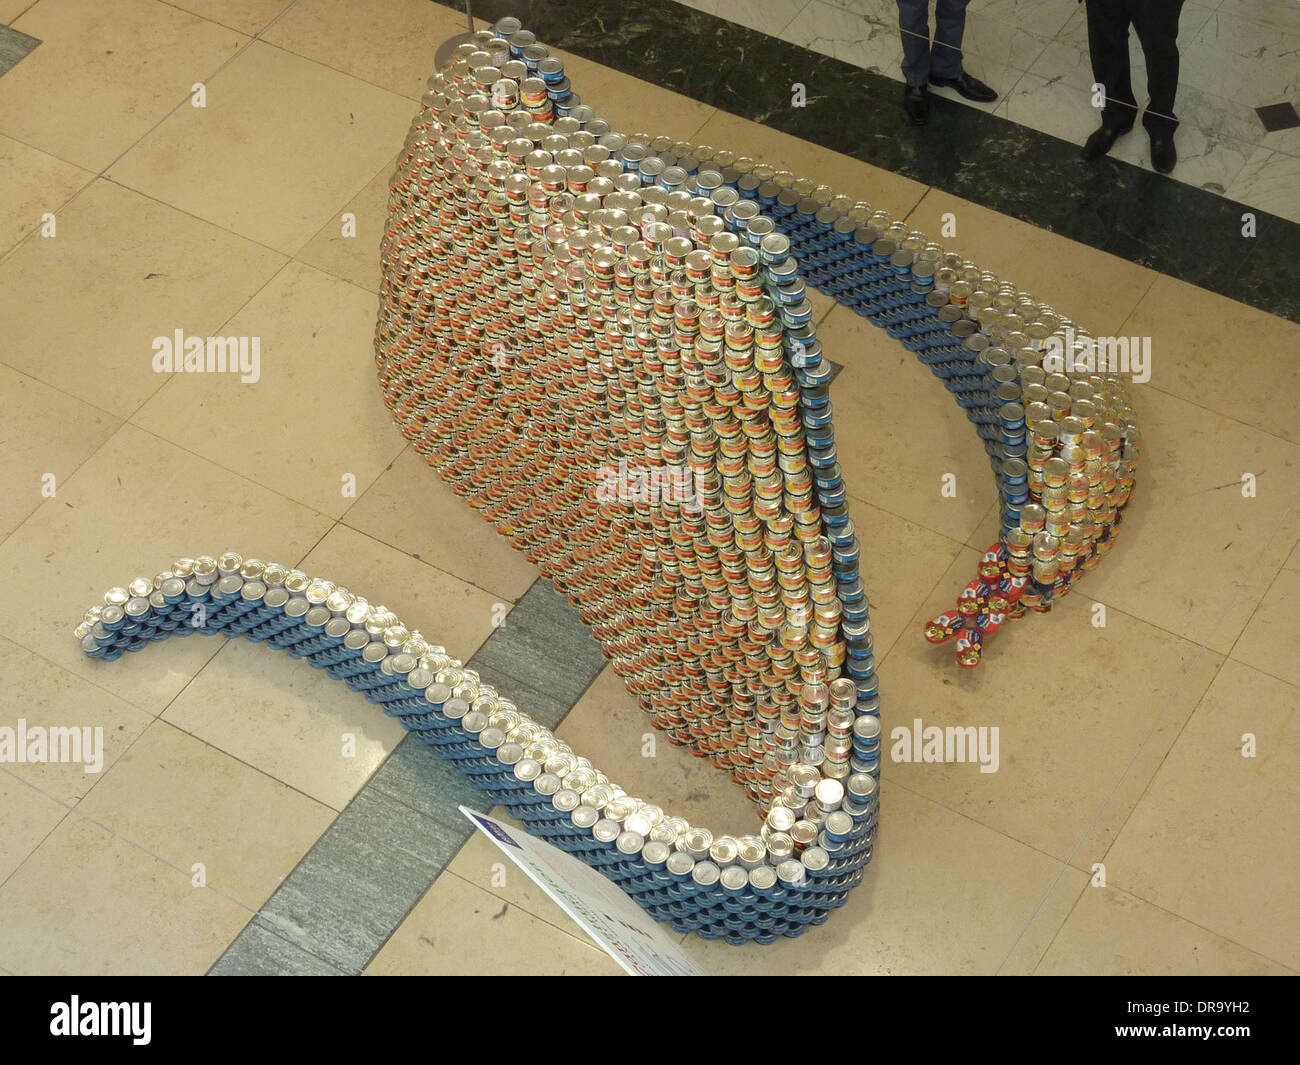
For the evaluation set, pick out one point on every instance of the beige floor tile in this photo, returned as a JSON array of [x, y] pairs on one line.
[[27, 816], [1112, 933], [188, 802], [89, 903], [392, 46], [607, 726], [315, 414], [1293, 563], [883, 189], [408, 507], [1269, 640], [631, 105], [1052, 911], [48, 434], [287, 720], [481, 863], [82, 310], [11, 9], [1214, 838], [901, 561], [898, 460], [942, 895], [135, 505], [247, 16], [1094, 288], [290, 721], [46, 696], [1195, 557], [105, 74], [1072, 704], [295, 140], [354, 258], [446, 610], [32, 183], [458, 929], [1189, 330]]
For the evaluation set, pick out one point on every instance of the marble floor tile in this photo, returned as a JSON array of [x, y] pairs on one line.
[[1242, 59], [393, 46], [609, 727], [32, 184], [1268, 641], [85, 96], [766, 16], [481, 863], [446, 610], [295, 140], [310, 424], [1225, 858], [82, 309], [27, 816], [247, 16], [1113, 933], [48, 697], [287, 720], [1269, 181], [488, 937], [129, 510], [89, 903], [50, 434], [358, 883], [1220, 354], [1095, 712], [259, 950], [985, 888], [900, 560], [1195, 556], [408, 505], [11, 9], [351, 251], [1098, 290], [852, 37], [188, 803]]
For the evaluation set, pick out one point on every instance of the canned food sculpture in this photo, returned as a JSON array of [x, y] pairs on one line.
[[603, 343]]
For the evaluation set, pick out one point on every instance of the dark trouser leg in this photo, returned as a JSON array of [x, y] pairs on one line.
[[949, 25], [914, 23], [1156, 22], [1108, 47]]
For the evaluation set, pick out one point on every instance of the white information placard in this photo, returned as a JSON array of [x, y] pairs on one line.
[[626, 932]]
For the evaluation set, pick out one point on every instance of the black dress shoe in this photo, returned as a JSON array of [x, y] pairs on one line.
[[971, 88], [1163, 154], [916, 102], [1101, 141]]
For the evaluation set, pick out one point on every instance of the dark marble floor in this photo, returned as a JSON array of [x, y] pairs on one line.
[[1133, 213]]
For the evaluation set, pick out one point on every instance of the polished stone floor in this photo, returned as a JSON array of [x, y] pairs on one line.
[[1236, 55], [1120, 746]]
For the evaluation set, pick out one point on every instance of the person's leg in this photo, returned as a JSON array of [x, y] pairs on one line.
[[1156, 22], [914, 24], [949, 27], [1108, 22]]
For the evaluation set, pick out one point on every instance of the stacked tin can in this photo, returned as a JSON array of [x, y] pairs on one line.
[[560, 301], [775, 882]]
